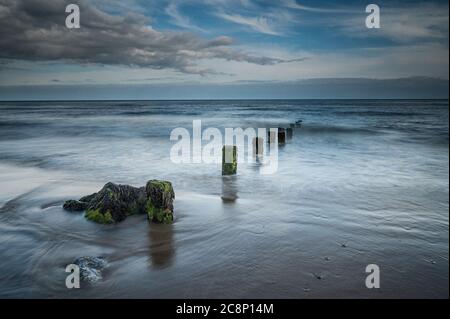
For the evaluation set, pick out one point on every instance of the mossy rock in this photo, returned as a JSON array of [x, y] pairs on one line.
[[159, 215], [113, 203], [159, 206], [75, 205]]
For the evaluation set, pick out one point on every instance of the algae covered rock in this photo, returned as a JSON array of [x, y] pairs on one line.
[[75, 205], [159, 206], [113, 203], [88, 198]]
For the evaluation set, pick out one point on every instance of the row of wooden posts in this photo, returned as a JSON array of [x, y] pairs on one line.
[[229, 152]]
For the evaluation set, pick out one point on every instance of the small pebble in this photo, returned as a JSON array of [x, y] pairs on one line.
[[320, 277]]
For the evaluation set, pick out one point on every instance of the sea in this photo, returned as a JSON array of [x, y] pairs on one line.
[[361, 182]]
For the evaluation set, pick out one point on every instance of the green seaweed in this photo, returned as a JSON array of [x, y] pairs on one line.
[[160, 215], [96, 216], [165, 186]]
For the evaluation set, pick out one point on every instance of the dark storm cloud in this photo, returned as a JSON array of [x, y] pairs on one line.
[[35, 30]]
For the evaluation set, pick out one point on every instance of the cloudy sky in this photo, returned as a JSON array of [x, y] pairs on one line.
[[213, 43]]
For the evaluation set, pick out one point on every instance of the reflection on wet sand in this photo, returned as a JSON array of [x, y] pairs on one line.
[[229, 189], [162, 248]]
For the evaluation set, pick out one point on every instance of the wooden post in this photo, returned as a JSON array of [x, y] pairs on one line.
[[270, 137], [281, 135], [258, 146], [229, 160], [289, 133]]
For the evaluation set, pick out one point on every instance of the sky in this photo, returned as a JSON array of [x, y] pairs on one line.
[[223, 48]]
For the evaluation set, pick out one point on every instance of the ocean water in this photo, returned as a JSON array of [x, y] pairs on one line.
[[361, 182]]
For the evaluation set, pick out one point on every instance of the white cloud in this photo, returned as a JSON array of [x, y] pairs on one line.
[[180, 20], [259, 24], [378, 63], [295, 5], [427, 22]]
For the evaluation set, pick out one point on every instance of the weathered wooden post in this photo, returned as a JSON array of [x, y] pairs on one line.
[[271, 135], [258, 147], [229, 160], [289, 133], [281, 135]]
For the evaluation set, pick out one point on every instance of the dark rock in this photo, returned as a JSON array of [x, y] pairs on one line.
[[113, 203], [159, 206], [75, 206], [88, 198], [91, 268], [318, 276]]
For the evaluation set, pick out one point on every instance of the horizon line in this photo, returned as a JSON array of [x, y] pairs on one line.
[[256, 99]]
